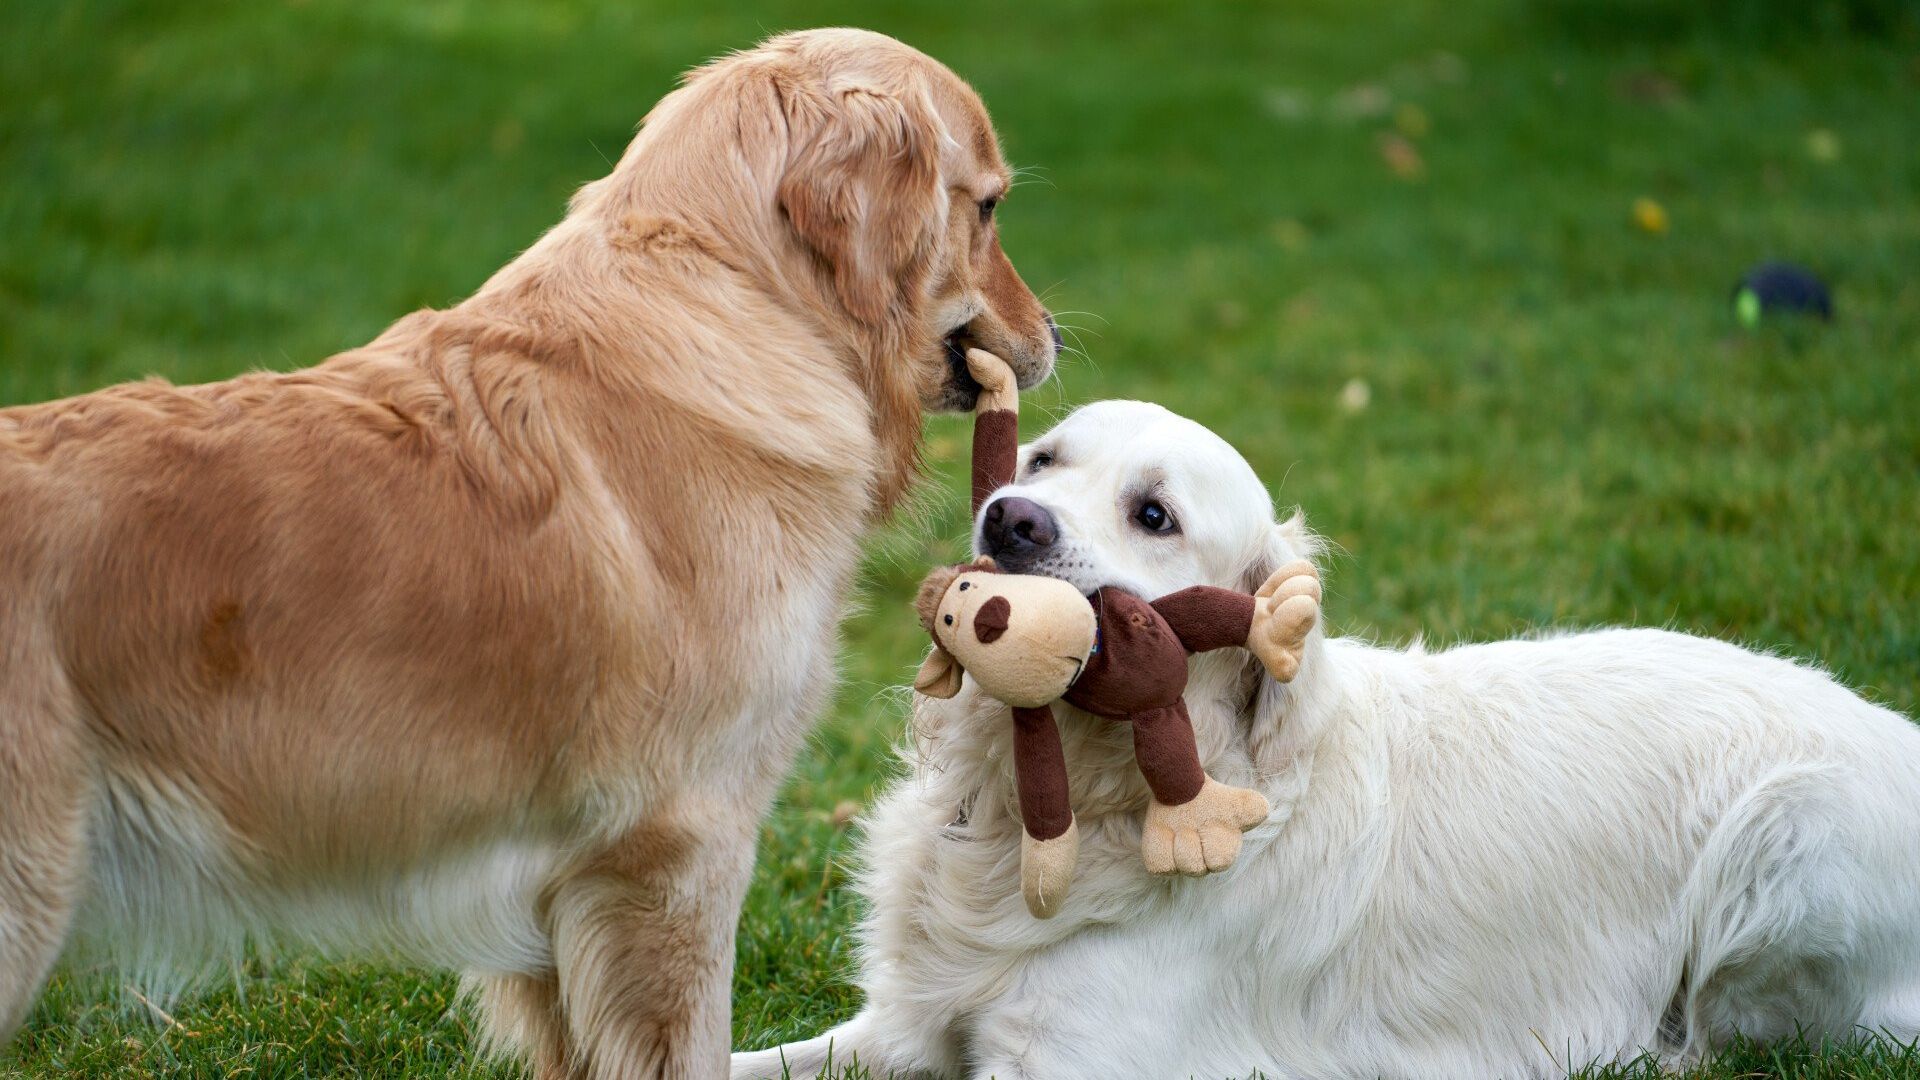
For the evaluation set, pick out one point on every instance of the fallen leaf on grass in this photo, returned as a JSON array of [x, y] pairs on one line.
[[1650, 216], [1400, 155]]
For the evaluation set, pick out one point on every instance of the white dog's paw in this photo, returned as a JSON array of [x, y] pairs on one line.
[[1285, 611]]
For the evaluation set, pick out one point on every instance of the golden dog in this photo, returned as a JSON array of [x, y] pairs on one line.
[[485, 645]]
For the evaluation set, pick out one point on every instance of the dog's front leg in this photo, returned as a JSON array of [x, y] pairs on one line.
[[643, 943], [520, 1017]]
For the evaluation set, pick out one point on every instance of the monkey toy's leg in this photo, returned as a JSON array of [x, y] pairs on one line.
[[1051, 844], [1194, 823]]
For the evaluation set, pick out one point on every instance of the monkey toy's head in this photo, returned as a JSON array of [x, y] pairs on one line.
[[1024, 638]]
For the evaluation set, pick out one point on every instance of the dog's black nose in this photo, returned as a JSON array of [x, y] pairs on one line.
[[1053, 328], [1016, 526]]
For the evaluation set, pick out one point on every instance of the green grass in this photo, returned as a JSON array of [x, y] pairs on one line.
[[1564, 426]]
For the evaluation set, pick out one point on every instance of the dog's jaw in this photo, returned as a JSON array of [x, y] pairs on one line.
[[959, 391], [1069, 563]]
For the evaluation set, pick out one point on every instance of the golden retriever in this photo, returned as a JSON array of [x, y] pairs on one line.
[[486, 645]]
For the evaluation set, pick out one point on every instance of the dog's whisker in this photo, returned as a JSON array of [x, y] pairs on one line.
[[1025, 173], [1074, 351], [1075, 332], [1072, 338], [1089, 314]]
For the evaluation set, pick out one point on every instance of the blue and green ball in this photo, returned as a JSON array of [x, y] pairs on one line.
[[1778, 288]]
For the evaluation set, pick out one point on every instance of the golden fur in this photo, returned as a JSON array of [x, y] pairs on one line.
[[487, 643]]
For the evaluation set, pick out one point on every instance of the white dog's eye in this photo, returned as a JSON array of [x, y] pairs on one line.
[[1040, 461], [1154, 518]]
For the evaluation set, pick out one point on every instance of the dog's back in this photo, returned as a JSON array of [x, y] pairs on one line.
[[1677, 821], [215, 598]]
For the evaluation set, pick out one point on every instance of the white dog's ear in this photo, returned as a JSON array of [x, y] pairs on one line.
[[939, 674], [1274, 725], [862, 189], [1284, 542]]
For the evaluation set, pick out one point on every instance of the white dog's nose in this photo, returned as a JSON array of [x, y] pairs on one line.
[[1017, 528]]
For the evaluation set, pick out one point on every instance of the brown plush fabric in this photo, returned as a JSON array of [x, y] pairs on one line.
[[996, 452], [991, 620], [1040, 768], [1163, 747], [1139, 670], [1137, 664], [1206, 618]]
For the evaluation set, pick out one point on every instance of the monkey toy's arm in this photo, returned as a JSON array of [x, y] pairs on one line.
[[1051, 844], [996, 424], [1273, 623], [1040, 769], [1205, 618]]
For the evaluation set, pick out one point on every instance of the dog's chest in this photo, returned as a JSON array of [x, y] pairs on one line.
[[717, 688]]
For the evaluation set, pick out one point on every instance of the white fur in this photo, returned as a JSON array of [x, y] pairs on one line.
[[170, 905], [1508, 859]]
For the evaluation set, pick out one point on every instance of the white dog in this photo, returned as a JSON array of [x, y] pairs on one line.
[[1508, 859]]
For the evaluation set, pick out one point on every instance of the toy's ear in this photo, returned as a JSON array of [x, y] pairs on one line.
[[939, 674], [933, 589]]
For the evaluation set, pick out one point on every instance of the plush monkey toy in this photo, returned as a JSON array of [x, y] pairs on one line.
[[1030, 640]]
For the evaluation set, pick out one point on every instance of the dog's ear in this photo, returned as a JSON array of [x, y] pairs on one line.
[[1284, 542], [862, 189], [939, 674], [1269, 704]]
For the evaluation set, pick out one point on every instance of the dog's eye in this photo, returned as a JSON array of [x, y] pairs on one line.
[[963, 585], [1153, 517], [1040, 461], [986, 209], [947, 619]]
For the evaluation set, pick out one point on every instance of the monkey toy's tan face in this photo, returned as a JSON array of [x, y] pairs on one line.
[[1024, 638]]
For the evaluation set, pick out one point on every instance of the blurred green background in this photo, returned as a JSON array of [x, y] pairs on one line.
[[1454, 276]]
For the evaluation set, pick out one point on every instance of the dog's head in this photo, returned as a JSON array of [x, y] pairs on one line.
[[862, 179], [1128, 494]]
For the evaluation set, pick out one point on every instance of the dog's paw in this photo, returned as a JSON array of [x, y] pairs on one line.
[[1284, 613], [1046, 870], [1201, 835]]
